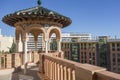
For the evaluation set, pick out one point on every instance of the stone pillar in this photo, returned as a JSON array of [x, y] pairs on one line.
[[47, 68], [43, 44], [73, 75], [17, 45], [46, 47], [65, 73], [25, 56], [24, 40], [36, 45], [69, 74], [61, 71], [8, 61], [23, 47], [55, 76], [51, 70], [58, 72], [30, 53], [49, 45], [36, 41], [58, 45]]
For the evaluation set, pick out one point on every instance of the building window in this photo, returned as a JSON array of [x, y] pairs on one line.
[[94, 62], [118, 47], [85, 56], [118, 58], [82, 61], [82, 55], [81, 45], [89, 55], [68, 45], [85, 46], [114, 68], [63, 46], [89, 45], [113, 46], [114, 59]]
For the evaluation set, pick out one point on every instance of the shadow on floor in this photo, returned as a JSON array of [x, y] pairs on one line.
[[31, 74]]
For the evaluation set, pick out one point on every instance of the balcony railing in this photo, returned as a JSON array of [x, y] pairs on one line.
[[54, 68], [16, 60]]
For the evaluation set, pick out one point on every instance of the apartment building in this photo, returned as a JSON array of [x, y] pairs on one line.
[[5, 42], [114, 50], [103, 51]]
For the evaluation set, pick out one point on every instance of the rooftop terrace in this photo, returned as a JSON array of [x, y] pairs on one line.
[[50, 67]]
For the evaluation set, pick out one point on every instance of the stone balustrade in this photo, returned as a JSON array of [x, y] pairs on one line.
[[16, 60], [55, 68]]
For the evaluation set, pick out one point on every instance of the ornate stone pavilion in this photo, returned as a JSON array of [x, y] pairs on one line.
[[36, 20], [39, 20]]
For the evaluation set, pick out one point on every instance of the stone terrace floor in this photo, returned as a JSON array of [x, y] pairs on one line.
[[31, 74]]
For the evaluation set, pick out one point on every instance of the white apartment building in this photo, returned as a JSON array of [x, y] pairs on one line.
[[5, 42], [66, 37]]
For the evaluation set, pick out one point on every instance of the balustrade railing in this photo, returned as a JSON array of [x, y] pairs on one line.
[[55, 68], [16, 60]]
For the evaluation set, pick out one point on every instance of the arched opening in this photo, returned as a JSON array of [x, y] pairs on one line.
[[54, 38], [36, 39], [53, 42]]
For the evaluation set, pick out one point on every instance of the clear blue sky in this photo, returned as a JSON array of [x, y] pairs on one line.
[[98, 17]]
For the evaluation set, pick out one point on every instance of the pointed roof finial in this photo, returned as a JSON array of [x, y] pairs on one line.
[[39, 2]]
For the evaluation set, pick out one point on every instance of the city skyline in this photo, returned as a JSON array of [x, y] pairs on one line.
[[98, 18]]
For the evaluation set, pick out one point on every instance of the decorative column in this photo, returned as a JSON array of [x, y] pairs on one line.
[[25, 56], [36, 45], [30, 56], [17, 45], [23, 47], [46, 47], [49, 45], [36, 41], [25, 52], [59, 45]]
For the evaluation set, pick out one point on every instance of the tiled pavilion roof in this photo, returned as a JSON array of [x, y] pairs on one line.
[[37, 13]]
